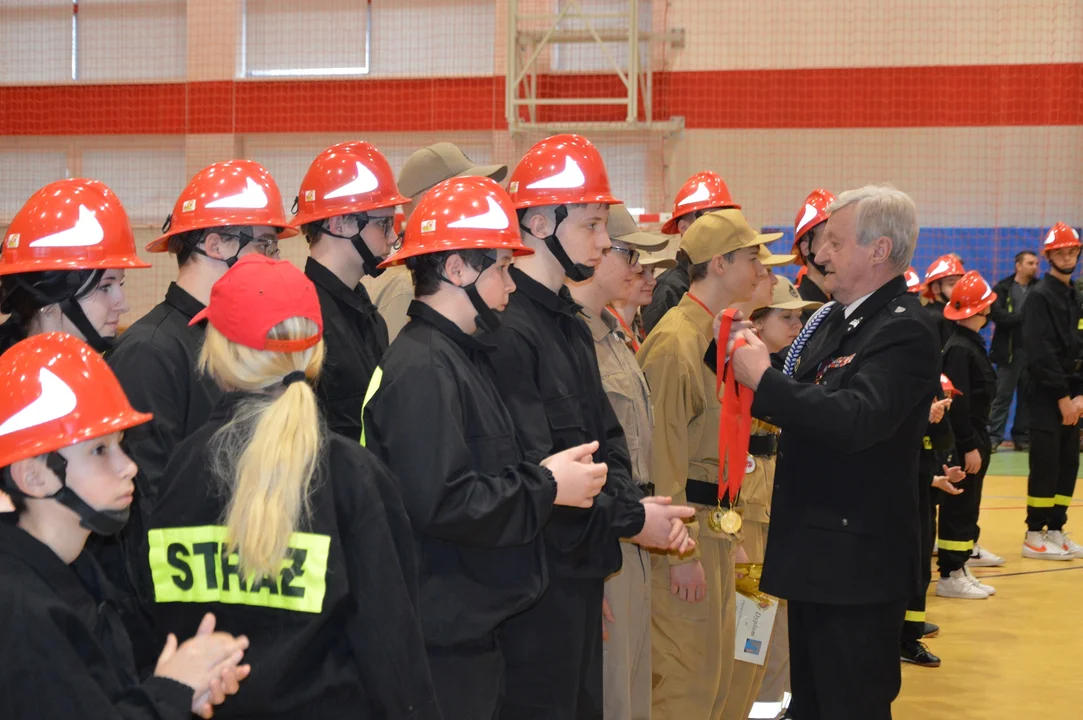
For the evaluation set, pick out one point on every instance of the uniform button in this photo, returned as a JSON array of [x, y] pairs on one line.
[[845, 522]]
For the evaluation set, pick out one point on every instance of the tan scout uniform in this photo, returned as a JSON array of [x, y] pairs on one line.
[[692, 642], [627, 654], [754, 504], [392, 292]]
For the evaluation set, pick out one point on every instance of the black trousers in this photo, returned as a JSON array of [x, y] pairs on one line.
[[469, 682], [1054, 462], [553, 655], [914, 625], [844, 660], [959, 516]]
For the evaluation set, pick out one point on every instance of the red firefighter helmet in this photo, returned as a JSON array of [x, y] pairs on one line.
[[58, 392], [235, 193], [351, 177], [944, 266], [969, 297], [465, 213], [73, 224], [560, 170], [913, 280], [704, 190], [948, 387], [1061, 236], [811, 214]]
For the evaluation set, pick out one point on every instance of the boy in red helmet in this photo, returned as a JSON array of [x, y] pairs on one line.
[[547, 373], [1054, 351], [702, 193], [808, 237]]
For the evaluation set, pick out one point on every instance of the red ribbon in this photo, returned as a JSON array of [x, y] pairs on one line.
[[735, 424]]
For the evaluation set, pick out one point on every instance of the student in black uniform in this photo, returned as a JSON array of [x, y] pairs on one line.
[[966, 362], [1051, 338], [64, 651], [476, 506], [278, 526], [547, 373], [936, 449], [346, 209], [702, 193], [940, 279]]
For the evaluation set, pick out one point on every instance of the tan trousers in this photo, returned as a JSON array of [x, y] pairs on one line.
[[692, 650], [626, 655], [747, 677]]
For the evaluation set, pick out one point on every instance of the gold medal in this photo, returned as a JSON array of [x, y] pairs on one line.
[[724, 520]]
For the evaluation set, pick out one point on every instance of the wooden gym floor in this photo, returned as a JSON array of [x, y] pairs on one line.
[[1018, 654]]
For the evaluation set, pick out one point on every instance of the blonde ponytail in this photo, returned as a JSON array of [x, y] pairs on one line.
[[267, 455]]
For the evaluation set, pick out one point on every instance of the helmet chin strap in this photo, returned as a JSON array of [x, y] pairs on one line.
[[1063, 271], [572, 270], [100, 522], [369, 262], [487, 319], [70, 307]]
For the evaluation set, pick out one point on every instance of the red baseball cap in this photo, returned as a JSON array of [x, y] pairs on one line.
[[255, 295]]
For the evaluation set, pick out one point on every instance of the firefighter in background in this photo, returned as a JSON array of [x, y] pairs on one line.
[[346, 210], [547, 374], [278, 526], [65, 653], [940, 279], [808, 231], [702, 193], [1051, 337], [627, 656], [694, 611], [776, 314], [966, 363], [393, 291], [476, 506]]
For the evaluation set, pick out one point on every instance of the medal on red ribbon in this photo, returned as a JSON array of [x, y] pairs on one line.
[[734, 429]]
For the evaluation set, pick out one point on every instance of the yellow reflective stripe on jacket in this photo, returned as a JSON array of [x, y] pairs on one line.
[[374, 385], [915, 616], [1039, 502], [956, 545], [188, 564], [1064, 500], [927, 443]]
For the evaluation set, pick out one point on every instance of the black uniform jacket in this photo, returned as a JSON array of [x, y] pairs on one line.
[[944, 327], [155, 361], [844, 515], [1051, 327], [672, 285], [336, 634], [355, 338], [476, 507], [968, 367], [1008, 333], [63, 651], [547, 373], [810, 291], [936, 448]]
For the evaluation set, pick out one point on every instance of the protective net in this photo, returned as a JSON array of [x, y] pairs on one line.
[[974, 108]]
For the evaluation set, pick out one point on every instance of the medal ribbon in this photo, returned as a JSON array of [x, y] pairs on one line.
[[735, 425]]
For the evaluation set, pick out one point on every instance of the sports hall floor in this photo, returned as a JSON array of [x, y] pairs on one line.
[[1018, 654]]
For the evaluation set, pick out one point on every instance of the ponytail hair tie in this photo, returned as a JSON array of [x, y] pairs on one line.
[[295, 376]]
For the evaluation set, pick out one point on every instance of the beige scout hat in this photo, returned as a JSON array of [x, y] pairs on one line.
[[721, 232], [785, 297], [662, 258], [771, 261], [622, 227], [439, 162]]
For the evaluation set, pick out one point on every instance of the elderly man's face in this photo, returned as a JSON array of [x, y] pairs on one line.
[[847, 262]]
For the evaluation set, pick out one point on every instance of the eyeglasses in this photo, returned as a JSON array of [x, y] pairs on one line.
[[386, 224], [262, 245], [632, 253]]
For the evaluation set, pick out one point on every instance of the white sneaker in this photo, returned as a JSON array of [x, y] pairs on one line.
[[1037, 546], [1064, 541], [989, 589], [983, 558], [958, 585]]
